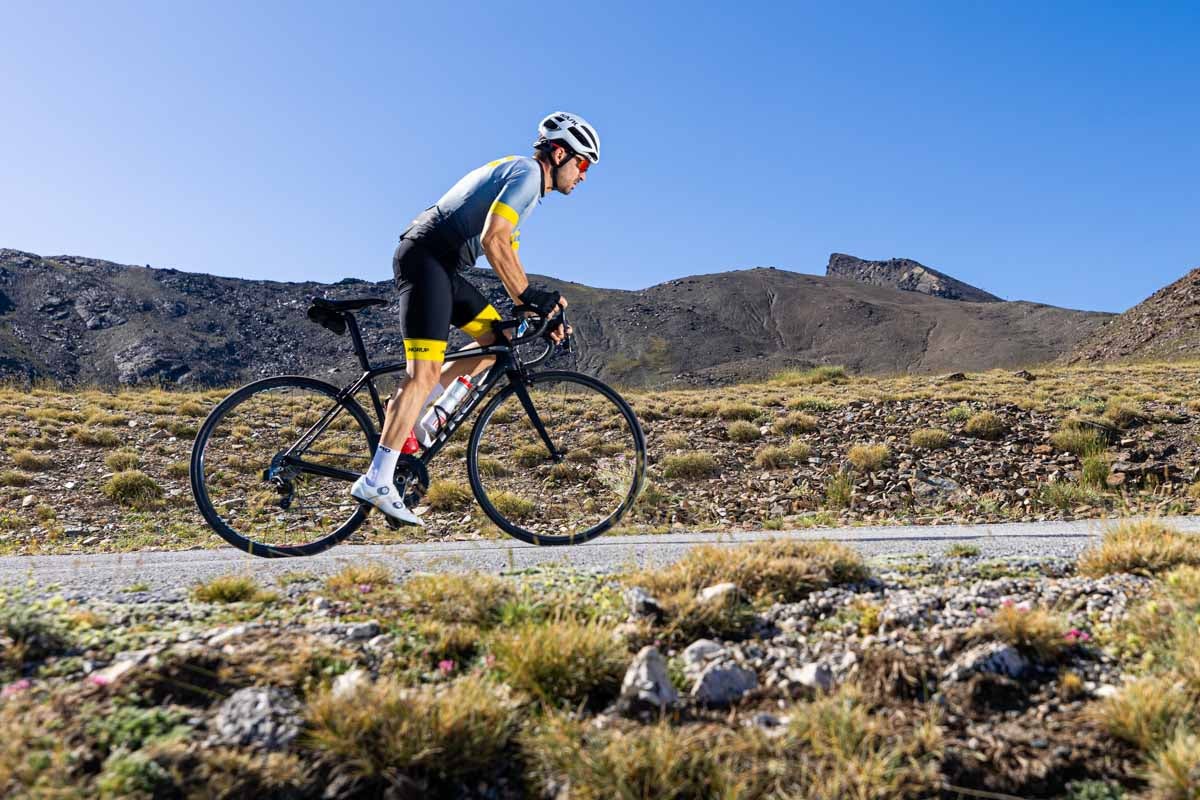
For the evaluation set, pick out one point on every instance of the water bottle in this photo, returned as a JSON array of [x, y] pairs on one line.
[[425, 437], [441, 411]]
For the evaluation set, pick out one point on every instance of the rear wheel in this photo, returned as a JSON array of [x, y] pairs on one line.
[[565, 478], [272, 466]]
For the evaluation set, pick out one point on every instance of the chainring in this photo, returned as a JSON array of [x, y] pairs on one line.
[[412, 479]]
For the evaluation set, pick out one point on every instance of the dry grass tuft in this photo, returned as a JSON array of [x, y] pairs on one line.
[[1077, 439], [133, 489], [729, 409], [1174, 771], [444, 495], [352, 578], [427, 737], [839, 490], [14, 477], [1036, 633], [563, 662], [784, 571], [1142, 547], [869, 457], [796, 422], [742, 431], [811, 377], [1145, 713], [96, 438], [986, 425], [231, 589], [929, 438], [122, 460], [691, 465], [27, 459], [773, 457], [472, 598]]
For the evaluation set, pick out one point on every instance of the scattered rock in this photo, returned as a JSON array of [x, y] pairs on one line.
[[265, 717], [721, 685], [990, 657], [647, 685], [642, 604], [719, 591]]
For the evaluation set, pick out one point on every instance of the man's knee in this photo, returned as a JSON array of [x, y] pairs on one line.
[[424, 373]]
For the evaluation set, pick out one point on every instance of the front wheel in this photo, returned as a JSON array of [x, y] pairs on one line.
[[556, 459], [272, 467]]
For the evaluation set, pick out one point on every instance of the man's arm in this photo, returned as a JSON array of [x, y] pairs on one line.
[[497, 246]]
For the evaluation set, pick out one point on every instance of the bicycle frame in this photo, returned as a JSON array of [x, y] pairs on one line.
[[505, 365]]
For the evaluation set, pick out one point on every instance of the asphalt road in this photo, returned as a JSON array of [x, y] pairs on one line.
[[172, 572]]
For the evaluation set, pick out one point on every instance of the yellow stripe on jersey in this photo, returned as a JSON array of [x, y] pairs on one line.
[[424, 350], [482, 323], [500, 161], [504, 210]]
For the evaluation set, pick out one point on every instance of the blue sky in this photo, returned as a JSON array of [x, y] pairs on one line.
[[1041, 151]]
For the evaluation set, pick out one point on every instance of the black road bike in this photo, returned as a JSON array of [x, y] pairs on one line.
[[555, 456]]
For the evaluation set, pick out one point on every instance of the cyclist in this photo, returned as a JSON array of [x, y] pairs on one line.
[[482, 213]]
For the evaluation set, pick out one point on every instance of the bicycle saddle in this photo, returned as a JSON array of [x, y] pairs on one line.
[[348, 305]]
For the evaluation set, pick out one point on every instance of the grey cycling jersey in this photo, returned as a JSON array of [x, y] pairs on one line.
[[510, 187]]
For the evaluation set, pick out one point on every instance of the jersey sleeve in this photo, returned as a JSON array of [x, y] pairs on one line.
[[518, 196]]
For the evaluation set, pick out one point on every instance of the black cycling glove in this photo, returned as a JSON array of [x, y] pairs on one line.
[[541, 299]]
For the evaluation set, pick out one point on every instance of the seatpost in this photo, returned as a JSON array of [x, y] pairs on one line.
[[359, 350]]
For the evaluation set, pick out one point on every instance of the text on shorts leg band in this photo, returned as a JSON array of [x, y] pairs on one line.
[[482, 324], [424, 350]]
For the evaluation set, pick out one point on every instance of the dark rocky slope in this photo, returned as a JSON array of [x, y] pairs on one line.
[[1164, 326], [80, 320]]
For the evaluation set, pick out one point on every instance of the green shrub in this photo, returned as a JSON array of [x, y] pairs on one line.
[[133, 489], [1095, 471], [839, 490], [690, 465], [178, 469], [806, 402], [1064, 495], [1077, 439], [511, 506], [986, 425], [960, 413]]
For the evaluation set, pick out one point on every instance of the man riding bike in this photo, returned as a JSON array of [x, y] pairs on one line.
[[482, 213]]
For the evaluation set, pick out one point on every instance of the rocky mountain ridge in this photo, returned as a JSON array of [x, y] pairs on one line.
[[906, 275], [82, 320]]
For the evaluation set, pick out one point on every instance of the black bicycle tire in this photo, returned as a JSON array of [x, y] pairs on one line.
[[516, 531], [200, 492]]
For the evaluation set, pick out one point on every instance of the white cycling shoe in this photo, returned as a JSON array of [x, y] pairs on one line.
[[386, 498]]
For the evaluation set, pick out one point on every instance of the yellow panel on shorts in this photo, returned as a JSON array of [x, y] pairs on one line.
[[482, 323], [424, 350]]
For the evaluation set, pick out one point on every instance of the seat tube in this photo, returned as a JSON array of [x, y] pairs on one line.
[[359, 350]]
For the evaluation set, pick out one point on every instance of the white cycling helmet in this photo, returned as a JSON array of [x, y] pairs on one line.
[[572, 131]]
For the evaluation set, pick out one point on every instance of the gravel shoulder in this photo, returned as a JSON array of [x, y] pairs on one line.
[[166, 575]]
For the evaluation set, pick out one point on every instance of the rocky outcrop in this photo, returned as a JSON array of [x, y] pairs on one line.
[[1165, 326], [906, 275]]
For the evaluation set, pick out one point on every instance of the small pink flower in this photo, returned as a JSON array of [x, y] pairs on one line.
[[364, 588], [1024, 605], [489, 661], [15, 688], [97, 679], [446, 667], [980, 611], [1007, 602]]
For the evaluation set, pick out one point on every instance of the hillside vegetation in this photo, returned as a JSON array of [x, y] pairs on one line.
[[87, 470]]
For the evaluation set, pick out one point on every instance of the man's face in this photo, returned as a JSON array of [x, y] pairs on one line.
[[569, 174]]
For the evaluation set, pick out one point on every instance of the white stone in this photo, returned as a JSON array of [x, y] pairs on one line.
[[814, 675], [994, 657], [718, 591], [350, 682], [113, 673], [646, 682]]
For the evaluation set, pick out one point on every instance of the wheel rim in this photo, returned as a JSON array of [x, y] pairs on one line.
[[252, 491], [542, 499]]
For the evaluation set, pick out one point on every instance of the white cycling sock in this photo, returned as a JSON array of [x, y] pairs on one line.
[[382, 466]]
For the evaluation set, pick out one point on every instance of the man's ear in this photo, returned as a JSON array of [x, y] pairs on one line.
[[558, 155]]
